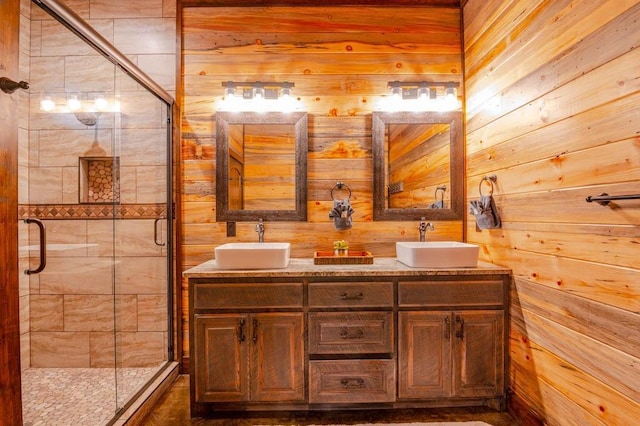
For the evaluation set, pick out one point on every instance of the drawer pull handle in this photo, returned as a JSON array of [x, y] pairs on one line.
[[241, 335], [460, 331], [358, 334], [346, 296], [352, 383], [447, 328]]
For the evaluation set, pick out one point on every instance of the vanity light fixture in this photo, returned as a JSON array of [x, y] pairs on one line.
[[415, 89], [422, 96], [257, 96], [74, 102], [258, 89]]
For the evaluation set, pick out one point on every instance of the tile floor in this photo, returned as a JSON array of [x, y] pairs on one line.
[[77, 396], [173, 410]]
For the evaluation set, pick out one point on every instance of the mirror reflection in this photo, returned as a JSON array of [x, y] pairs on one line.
[[418, 161], [261, 166], [418, 165]]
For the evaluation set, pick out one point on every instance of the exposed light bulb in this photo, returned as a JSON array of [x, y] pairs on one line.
[[450, 92], [230, 90], [47, 104], [423, 92], [73, 103], [101, 103]]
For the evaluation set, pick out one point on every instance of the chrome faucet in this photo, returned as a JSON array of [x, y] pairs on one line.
[[260, 230], [424, 227]]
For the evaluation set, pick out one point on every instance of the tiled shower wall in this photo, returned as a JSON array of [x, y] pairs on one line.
[[83, 302]]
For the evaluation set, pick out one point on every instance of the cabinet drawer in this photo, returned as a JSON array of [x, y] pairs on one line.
[[352, 381], [450, 293], [258, 295], [363, 294], [350, 332]]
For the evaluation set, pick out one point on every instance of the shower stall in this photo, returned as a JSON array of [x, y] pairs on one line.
[[96, 224]]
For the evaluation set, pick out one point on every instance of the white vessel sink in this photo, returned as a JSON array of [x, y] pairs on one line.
[[253, 255], [437, 254]]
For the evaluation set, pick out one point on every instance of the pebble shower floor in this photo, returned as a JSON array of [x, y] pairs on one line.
[[77, 396]]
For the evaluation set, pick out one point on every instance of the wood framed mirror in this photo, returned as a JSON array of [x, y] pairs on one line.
[[418, 165], [261, 166]]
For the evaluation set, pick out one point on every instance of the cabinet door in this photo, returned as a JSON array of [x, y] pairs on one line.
[[221, 358], [277, 357], [478, 348], [424, 354]]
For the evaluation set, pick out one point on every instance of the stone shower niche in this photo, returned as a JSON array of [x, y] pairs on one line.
[[99, 179]]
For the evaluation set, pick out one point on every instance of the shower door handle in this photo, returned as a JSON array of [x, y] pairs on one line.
[[155, 232], [43, 246]]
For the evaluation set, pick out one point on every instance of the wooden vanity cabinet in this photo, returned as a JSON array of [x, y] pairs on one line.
[[304, 339], [254, 354], [252, 357], [351, 342], [221, 358], [451, 353]]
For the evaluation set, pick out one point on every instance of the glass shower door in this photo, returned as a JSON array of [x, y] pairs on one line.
[[68, 183], [94, 164], [141, 251]]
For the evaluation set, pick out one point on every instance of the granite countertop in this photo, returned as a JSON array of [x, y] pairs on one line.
[[298, 267]]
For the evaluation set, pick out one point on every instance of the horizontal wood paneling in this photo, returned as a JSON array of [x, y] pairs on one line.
[[525, 42], [254, 3], [615, 39], [340, 59], [552, 97], [594, 376]]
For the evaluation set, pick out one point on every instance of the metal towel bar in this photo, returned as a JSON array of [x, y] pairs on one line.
[[604, 198]]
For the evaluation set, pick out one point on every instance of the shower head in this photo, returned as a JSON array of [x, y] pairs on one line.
[[87, 118]]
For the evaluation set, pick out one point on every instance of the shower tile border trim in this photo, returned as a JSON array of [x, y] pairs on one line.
[[92, 211]]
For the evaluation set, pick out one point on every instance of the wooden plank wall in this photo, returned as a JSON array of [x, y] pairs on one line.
[[11, 405], [340, 59], [553, 109]]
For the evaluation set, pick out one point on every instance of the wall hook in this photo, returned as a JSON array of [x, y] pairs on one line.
[[9, 86]]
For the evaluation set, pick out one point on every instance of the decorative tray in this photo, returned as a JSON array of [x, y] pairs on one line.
[[355, 257]]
